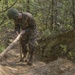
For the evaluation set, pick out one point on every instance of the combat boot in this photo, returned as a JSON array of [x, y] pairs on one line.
[[30, 60]]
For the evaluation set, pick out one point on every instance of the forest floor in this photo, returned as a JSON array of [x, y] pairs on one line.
[[12, 66]]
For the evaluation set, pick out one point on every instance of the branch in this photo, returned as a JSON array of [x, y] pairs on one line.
[[3, 21], [9, 7]]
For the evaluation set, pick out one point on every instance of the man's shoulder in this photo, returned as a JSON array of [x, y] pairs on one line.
[[28, 14]]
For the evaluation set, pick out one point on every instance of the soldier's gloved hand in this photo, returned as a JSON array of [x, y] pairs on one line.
[[17, 33], [23, 32]]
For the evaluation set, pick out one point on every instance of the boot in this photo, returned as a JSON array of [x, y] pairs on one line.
[[30, 56], [30, 60]]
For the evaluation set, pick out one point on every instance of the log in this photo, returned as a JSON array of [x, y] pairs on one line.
[[11, 45]]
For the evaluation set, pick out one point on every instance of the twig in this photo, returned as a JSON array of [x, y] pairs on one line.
[[9, 7]]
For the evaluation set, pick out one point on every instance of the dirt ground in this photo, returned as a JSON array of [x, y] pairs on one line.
[[12, 66]]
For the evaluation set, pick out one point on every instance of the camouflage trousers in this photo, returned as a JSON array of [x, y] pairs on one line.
[[28, 45]]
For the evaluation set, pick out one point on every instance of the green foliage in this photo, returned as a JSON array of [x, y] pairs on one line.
[[64, 47], [42, 11], [68, 27], [1, 48], [45, 33], [71, 55]]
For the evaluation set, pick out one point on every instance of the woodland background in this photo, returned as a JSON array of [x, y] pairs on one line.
[[55, 20]]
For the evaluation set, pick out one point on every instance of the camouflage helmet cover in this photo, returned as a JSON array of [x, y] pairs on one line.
[[12, 13]]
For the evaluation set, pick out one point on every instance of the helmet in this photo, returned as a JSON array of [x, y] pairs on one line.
[[12, 13]]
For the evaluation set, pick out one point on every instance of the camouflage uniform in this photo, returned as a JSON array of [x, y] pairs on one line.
[[28, 24]]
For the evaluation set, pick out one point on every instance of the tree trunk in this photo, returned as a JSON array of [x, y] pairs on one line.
[[73, 12], [52, 16], [28, 6], [55, 13]]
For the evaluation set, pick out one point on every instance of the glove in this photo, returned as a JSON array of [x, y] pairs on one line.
[[23, 32]]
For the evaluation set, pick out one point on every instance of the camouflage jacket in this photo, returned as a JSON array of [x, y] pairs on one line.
[[27, 23]]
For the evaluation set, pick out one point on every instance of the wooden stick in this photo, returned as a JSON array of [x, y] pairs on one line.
[[11, 45], [20, 50]]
